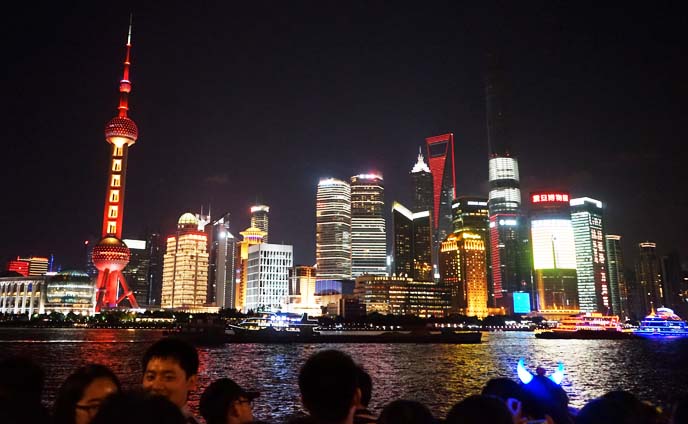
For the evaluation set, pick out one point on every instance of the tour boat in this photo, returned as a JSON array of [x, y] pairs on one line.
[[662, 324], [587, 325]]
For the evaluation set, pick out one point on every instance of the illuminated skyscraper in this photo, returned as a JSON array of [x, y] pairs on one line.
[[267, 286], [136, 271], [31, 266], [333, 230], [111, 255], [185, 266], [250, 236], [412, 243], [422, 185], [156, 251], [509, 251], [259, 219], [470, 213], [649, 290], [441, 164], [463, 267], [591, 257], [618, 288], [554, 251], [221, 268], [368, 236]]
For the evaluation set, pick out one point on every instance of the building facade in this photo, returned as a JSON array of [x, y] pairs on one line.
[[185, 267], [267, 286], [402, 296], [333, 230], [441, 163], [649, 291], [260, 219], [137, 270], [554, 251], [412, 243], [594, 294], [421, 179], [618, 287], [221, 268], [250, 237], [368, 232], [463, 268]]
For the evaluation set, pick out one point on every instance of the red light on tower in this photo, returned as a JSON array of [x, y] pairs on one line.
[[111, 255], [441, 162]]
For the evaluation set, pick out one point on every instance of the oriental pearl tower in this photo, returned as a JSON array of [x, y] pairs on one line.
[[111, 255]]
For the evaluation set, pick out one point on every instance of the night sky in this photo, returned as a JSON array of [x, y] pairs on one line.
[[237, 103]]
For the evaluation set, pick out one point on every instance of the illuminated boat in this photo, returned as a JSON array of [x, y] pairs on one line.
[[588, 325], [662, 324]]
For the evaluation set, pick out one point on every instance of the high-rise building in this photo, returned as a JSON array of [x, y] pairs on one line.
[[368, 236], [259, 219], [412, 243], [618, 287], [185, 267], [156, 251], [302, 291], [267, 287], [221, 268], [554, 251], [591, 257], [649, 289], [111, 255], [137, 270], [441, 164], [463, 268], [333, 230], [509, 251], [672, 277], [470, 213], [421, 179], [32, 266], [397, 295], [250, 236]]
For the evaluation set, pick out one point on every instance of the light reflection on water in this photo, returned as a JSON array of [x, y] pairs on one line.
[[437, 375]]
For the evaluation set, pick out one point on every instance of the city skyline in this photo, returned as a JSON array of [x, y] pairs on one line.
[[550, 122]]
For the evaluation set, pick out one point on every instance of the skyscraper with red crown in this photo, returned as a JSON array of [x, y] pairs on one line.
[[111, 255]]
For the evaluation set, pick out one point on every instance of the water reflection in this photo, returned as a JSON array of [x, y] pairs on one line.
[[437, 375]]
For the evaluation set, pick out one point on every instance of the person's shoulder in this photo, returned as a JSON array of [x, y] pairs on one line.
[[364, 416]]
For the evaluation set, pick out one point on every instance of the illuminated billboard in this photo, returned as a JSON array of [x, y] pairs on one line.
[[553, 244], [521, 302], [549, 197]]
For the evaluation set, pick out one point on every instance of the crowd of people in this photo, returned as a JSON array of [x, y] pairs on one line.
[[333, 388]]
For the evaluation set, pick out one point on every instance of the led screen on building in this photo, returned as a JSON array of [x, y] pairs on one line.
[[553, 244], [521, 303]]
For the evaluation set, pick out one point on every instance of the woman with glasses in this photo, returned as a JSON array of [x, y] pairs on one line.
[[82, 393], [225, 402]]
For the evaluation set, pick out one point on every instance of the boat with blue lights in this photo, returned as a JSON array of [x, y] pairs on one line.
[[663, 323]]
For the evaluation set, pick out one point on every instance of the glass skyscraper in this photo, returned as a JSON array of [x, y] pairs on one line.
[[591, 258], [412, 243], [441, 164], [333, 230], [618, 288], [260, 219], [368, 236]]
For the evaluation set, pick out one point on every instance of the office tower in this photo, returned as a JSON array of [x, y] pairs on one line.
[[251, 236], [156, 251], [463, 268], [591, 257], [368, 236], [136, 271], [185, 266], [441, 164], [509, 252], [618, 287], [111, 255], [421, 179], [672, 277], [302, 291], [333, 230], [259, 219], [412, 243], [397, 295], [470, 213], [649, 285], [554, 251], [267, 284], [221, 268], [31, 266]]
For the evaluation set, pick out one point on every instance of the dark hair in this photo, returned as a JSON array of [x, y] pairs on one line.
[[218, 397], [72, 390], [680, 411], [478, 409], [21, 387], [506, 388], [173, 348], [616, 407], [548, 398], [138, 408], [365, 384], [406, 412], [328, 384]]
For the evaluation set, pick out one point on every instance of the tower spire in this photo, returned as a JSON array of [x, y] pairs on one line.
[[125, 84]]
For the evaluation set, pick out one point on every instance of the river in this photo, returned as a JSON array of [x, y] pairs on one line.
[[437, 375]]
